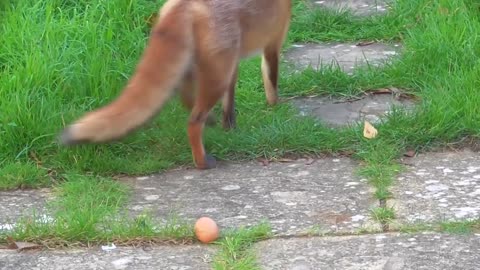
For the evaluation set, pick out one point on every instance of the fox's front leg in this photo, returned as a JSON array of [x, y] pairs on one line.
[[214, 76], [187, 89]]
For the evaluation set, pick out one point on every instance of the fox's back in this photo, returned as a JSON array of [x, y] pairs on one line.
[[246, 23]]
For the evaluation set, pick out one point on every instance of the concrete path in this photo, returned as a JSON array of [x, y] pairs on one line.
[[17, 203], [163, 257], [337, 113], [347, 56], [372, 252], [294, 197], [439, 186], [299, 198]]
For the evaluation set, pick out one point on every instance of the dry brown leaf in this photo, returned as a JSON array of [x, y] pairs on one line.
[[264, 161], [20, 246], [310, 161], [34, 156], [381, 91], [26, 246], [365, 43], [11, 243], [443, 10], [285, 160], [369, 131], [346, 152], [410, 153]]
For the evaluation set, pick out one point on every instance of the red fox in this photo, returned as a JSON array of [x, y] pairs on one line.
[[195, 47]]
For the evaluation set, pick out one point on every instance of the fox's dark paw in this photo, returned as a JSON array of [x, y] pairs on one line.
[[229, 122], [209, 163]]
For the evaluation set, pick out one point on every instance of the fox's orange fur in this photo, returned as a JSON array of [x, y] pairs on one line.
[[195, 46]]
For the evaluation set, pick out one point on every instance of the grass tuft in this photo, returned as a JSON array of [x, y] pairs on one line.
[[451, 227], [383, 215], [461, 227], [235, 246]]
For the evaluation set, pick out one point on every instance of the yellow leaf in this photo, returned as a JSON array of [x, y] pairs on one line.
[[369, 131]]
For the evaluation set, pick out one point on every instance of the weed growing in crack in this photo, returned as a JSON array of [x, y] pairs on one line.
[[383, 215], [235, 252]]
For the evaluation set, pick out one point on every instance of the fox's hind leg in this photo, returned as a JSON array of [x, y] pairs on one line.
[[270, 66], [229, 117], [270, 74]]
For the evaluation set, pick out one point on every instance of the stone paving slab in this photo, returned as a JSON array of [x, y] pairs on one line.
[[372, 252], [438, 186], [294, 197], [163, 257], [335, 113], [358, 7], [17, 203], [348, 56]]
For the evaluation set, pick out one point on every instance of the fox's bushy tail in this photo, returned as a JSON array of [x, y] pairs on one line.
[[163, 64]]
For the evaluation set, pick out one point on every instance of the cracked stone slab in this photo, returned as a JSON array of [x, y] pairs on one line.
[[15, 204], [337, 113], [162, 257], [382, 252], [348, 56], [438, 186], [358, 7], [294, 197]]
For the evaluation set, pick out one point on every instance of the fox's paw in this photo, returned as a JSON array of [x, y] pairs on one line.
[[209, 162], [229, 122]]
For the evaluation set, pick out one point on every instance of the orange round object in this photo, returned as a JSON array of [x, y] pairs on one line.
[[206, 230]]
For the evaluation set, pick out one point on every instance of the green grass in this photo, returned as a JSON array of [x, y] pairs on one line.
[[89, 211], [341, 25], [383, 214], [461, 227], [380, 167], [235, 248], [61, 58], [23, 174], [450, 227]]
